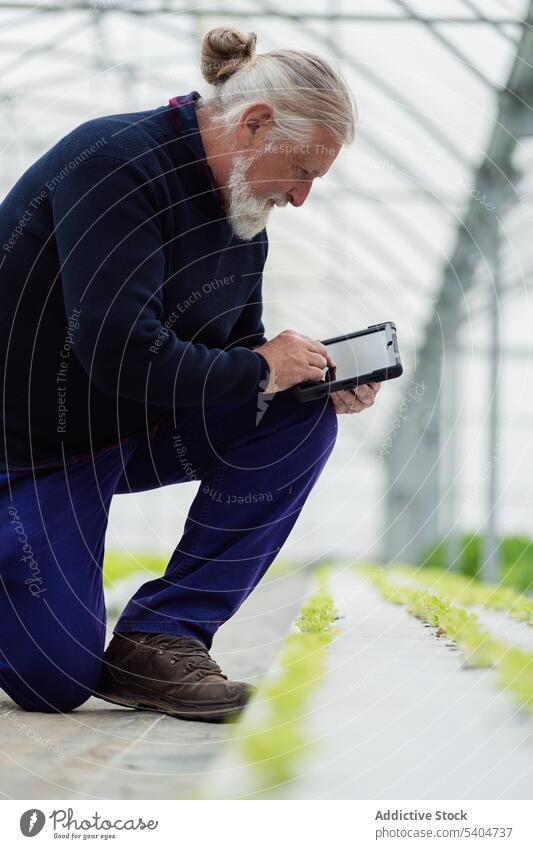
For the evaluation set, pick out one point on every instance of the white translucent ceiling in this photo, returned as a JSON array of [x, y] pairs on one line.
[[371, 241]]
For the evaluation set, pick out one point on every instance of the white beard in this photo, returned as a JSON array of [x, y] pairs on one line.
[[247, 214]]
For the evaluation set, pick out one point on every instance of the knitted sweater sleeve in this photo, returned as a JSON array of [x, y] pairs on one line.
[[249, 329], [112, 267]]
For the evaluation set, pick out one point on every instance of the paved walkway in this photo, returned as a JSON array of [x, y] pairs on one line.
[[105, 752], [397, 716]]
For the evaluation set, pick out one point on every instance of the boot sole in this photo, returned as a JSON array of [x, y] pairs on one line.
[[217, 714]]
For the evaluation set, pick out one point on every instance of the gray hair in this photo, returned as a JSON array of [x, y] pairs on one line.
[[302, 88]]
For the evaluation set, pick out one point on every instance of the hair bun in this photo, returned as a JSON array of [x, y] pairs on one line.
[[224, 51]]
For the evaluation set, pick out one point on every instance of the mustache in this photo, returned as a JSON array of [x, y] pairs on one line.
[[279, 199], [248, 213]]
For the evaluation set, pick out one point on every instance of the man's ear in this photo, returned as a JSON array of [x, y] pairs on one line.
[[256, 122]]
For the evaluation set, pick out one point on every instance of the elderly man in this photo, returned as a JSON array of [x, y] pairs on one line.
[[134, 356]]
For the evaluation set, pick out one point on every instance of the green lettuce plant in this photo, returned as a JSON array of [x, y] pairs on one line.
[[274, 743], [514, 667], [458, 589]]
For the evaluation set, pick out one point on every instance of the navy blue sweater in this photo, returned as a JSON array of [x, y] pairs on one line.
[[124, 291]]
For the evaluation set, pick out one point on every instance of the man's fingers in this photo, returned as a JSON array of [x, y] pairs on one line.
[[323, 351], [315, 345], [347, 402], [338, 403], [365, 394], [317, 360], [314, 373]]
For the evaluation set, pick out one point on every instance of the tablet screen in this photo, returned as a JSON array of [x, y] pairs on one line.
[[361, 355]]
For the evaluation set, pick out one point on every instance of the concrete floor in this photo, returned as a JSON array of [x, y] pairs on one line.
[[397, 716], [100, 751]]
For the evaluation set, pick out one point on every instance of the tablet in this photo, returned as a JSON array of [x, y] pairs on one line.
[[367, 356]]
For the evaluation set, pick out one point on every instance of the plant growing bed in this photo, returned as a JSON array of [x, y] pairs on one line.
[[273, 739], [514, 666], [463, 590]]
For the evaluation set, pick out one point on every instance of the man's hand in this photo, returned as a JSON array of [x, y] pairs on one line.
[[293, 358], [355, 400]]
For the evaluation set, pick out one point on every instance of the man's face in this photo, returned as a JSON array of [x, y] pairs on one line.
[[273, 174]]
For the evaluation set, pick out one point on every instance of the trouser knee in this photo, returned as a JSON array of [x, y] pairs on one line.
[[320, 428], [36, 685]]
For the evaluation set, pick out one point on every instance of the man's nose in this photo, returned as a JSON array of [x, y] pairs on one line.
[[299, 192]]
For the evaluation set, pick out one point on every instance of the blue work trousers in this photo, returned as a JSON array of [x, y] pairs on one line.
[[256, 469]]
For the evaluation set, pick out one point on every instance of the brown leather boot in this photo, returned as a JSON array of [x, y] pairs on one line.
[[170, 674]]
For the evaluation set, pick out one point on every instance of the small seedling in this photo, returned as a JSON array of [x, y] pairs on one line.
[[479, 648], [274, 745]]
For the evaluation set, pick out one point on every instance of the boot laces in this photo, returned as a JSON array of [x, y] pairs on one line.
[[200, 660]]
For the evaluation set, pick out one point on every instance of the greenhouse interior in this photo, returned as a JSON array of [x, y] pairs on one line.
[[390, 640]]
